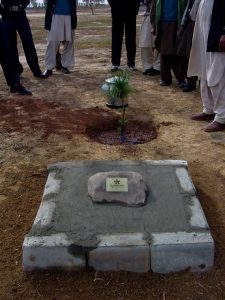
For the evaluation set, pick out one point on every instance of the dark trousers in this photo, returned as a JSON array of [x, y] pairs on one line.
[[21, 25], [174, 63], [118, 25], [6, 59]]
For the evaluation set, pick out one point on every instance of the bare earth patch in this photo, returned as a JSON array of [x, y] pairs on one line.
[[62, 121]]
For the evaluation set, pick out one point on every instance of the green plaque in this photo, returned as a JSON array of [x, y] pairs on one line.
[[116, 184]]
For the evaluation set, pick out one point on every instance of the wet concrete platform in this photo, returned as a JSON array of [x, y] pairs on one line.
[[169, 233]]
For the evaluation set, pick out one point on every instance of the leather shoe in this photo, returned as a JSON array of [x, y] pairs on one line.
[[19, 89], [214, 126], [153, 72], [203, 117], [181, 84], [65, 70], [40, 75], [147, 71], [47, 73], [165, 82], [189, 88]]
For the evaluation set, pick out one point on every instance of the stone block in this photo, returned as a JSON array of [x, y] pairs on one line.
[[173, 252], [132, 259], [124, 252], [50, 253]]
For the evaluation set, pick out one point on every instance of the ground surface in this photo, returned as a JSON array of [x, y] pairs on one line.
[[52, 126]]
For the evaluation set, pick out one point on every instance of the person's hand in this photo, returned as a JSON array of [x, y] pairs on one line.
[[222, 43]]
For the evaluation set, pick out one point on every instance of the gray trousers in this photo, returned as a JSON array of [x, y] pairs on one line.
[[150, 58], [67, 54]]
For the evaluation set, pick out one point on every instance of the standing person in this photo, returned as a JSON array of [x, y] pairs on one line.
[[166, 18], [6, 61], [185, 34], [60, 21], [207, 60], [149, 55], [124, 14], [15, 20]]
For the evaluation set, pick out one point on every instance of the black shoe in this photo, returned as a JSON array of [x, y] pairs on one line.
[[47, 73], [41, 75], [132, 68], [19, 89], [165, 82], [189, 88], [65, 70], [147, 71], [154, 72], [181, 84]]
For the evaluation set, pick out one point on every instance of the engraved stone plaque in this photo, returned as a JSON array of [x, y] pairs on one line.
[[116, 184], [127, 188]]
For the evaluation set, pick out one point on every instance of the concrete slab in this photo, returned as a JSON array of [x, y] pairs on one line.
[[111, 236]]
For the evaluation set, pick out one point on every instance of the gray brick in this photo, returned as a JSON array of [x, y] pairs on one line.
[[50, 252], [133, 259], [180, 251]]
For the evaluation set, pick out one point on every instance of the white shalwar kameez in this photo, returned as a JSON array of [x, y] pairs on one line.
[[60, 32], [149, 55], [209, 66]]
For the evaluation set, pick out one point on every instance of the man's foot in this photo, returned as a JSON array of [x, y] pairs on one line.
[[181, 84], [114, 68], [203, 117], [19, 89], [154, 72], [189, 88], [165, 82], [40, 75], [47, 73], [147, 71], [65, 70], [214, 127], [132, 68]]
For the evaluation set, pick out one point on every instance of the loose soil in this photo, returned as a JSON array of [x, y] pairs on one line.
[[55, 124]]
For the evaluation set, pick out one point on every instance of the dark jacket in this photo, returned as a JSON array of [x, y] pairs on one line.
[[124, 8], [217, 27], [50, 10], [5, 8]]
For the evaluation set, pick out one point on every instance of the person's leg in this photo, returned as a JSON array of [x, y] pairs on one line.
[[9, 70], [156, 60], [207, 98], [218, 97], [24, 31], [146, 58], [50, 55], [10, 28], [117, 39], [165, 62], [218, 94], [67, 56], [179, 66], [130, 34]]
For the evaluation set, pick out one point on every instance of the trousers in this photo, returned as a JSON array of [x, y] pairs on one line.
[[22, 26], [120, 23], [213, 99], [6, 59]]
